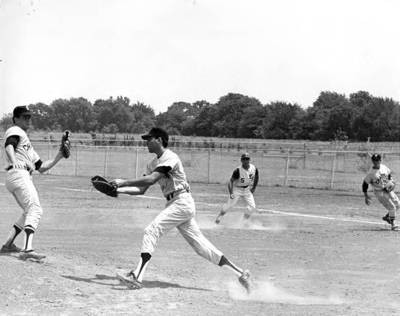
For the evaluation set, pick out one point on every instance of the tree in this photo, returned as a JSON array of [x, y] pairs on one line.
[[229, 111], [173, 119], [280, 120], [75, 114], [143, 118], [42, 116]]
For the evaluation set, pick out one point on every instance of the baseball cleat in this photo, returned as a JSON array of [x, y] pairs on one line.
[[31, 254], [244, 280], [386, 218], [10, 249], [218, 219], [130, 280]]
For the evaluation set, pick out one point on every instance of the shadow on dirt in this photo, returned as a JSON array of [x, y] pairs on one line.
[[100, 278], [373, 229]]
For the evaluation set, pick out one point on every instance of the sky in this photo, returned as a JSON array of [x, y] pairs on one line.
[[164, 51]]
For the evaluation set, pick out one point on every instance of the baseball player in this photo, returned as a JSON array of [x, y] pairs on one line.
[[380, 177], [167, 169], [242, 184], [21, 161]]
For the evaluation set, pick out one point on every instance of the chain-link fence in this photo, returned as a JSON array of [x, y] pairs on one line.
[[328, 169]]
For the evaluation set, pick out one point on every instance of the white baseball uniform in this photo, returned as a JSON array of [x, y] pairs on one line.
[[19, 181], [378, 179], [243, 182], [180, 209]]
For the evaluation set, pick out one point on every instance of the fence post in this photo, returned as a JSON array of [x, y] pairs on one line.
[[333, 170], [105, 161], [209, 166], [48, 152], [286, 168], [76, 160], [304, 158], [137, 163]]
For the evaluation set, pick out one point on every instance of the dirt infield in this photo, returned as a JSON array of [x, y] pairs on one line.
[[311, 252]]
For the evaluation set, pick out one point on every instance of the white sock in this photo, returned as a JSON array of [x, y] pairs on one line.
[[140, 269], [28, 240]]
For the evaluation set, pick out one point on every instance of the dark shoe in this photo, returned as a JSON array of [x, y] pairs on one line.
[[10, 249], [130, 280], [386, 218]]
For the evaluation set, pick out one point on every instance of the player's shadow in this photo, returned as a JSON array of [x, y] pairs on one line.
[[372, 229], [102, 280]]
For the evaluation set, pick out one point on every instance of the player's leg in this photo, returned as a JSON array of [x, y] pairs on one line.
[[385, 199], [227, 206], [28, 198], [13, 181], [203, 247], [172, 216], [395, 199], [250, 204]]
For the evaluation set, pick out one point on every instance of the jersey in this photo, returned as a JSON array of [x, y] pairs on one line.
[[378, 177], [244, 178], [24, 151], [170, 165]]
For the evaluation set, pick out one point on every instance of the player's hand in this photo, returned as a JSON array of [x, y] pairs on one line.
[[252, 190], [118, 182], [231, 196], [367, 200]]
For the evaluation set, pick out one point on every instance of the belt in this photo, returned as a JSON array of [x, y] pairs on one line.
[[243, 187], [25, 168], [171, 195]]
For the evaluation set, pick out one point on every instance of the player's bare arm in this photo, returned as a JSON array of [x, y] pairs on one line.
[[11, 155], [230, 188], [255, 183], [365, 191], [137, 186], [144, 181], [48, 164]]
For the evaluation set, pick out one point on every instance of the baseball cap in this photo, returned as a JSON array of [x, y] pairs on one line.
[[376, 157], [21, 111], [245, 156], [156, 132]]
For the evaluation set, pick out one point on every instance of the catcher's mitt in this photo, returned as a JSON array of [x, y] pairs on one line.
[[389, 186], [104, 186], [65, 147]]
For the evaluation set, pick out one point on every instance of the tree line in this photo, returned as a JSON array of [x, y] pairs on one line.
[[332, 116]]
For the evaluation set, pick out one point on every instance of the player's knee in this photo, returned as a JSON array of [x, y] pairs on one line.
[[153, 230]]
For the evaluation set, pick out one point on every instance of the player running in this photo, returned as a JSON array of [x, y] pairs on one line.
[[379, 177], [167, 169], [21, 161], [242, 184]]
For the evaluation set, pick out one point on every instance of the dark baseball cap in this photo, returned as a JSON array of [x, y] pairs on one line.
[[376, 157], [245, 156], [156, 132], [21, 111]]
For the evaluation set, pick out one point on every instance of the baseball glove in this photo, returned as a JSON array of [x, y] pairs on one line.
[[65, 147], [389, 186], [104, 186]]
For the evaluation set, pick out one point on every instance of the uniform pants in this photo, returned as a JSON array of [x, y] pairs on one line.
[[19, 184], [389, 200], [241, 193], [180, 213]]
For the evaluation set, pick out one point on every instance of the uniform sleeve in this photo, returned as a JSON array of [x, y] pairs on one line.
[[256, 178], [12, 140], [235, 174]]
